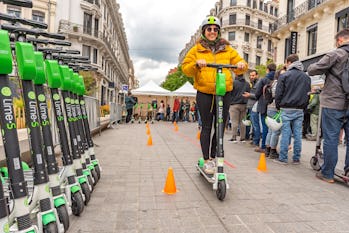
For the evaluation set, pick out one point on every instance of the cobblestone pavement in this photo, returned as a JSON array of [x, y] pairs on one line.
[[129, 196]]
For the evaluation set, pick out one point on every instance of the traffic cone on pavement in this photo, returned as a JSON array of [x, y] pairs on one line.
[[150, 141], [198, 135], [148, 131], [176, 128], [170, 185], [262, 165]]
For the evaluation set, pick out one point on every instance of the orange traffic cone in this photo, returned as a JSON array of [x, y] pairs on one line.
[[147, 125], [198, 135], [262, 165], [175, 123], [150, 141], [176, 128], [170, 186], [148, 131]]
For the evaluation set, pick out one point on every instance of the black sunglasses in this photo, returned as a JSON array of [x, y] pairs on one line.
[[215, 29]]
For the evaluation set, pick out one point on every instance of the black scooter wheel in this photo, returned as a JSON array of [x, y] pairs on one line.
[[91, 183], [98, 171], [77, 203], [95, 176], [314, 163], [221, 190], [51, 228], [63, 216], [86, 191]]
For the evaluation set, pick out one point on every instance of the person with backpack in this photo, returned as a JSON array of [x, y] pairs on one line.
[[272, 139], [263, 101], [291, 97], [334, 103], [237, 108]]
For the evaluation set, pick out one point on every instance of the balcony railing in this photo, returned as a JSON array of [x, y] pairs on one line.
[[249, 23], [300, 10]]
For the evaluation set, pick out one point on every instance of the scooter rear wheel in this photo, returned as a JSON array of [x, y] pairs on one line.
[[98, 171], [95, 176], [314, 163], [77, 203], [221, 190], [51, 228], [63, 216]]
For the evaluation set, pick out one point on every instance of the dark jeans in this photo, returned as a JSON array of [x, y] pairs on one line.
[[207, 108], [332, 121], [264, 129], [129, 115], [256, 128]]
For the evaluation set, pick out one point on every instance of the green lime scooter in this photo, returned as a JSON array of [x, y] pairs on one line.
[[219, 178]]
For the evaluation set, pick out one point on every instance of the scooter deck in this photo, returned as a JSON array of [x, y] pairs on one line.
[[209, 177], [340, 175]]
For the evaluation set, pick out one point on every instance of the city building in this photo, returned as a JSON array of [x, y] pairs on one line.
[[247, 25], [95, 27], [308, 27]]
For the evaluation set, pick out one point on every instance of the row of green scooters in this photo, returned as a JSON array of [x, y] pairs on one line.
[[56, 192]]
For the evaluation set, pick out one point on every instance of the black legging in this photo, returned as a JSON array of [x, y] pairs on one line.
[[207, 114]]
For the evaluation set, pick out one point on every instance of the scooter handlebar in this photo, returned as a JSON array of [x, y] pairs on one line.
[[15, 19], [213, 65], [22, 3]]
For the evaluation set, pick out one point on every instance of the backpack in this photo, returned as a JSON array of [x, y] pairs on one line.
[[268, 92]]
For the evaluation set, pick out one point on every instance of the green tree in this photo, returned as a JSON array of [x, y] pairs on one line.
[[175, 80], [90, 82]]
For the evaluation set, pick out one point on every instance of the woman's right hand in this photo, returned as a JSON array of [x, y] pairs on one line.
[[201, 63]]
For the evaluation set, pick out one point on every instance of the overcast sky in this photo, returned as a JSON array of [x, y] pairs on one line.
[[157, 30]]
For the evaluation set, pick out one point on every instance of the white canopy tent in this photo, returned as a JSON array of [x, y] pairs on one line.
[[151, 88], [186, 89]]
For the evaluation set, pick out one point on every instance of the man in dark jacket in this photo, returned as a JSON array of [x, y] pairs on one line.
[[291, 96], [263, 103], [334, 104], [237, 108], [129, 102]]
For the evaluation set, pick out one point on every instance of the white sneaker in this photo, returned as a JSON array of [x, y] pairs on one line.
[[209, 167]]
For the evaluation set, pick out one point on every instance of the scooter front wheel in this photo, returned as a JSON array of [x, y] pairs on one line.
[[63, 216], [221, 190], [86, 191], [77, 203], [314, 163], [95, 176], [98, 171], [51, 228]]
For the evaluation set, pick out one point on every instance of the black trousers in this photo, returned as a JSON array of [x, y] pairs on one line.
[[129, 115], [207, 108]]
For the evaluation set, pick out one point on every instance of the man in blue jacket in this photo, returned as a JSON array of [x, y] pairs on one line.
[[291, 97], [129, 102]]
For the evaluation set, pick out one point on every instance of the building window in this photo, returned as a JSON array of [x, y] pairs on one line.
[[233, 2], [313, 3], [231, 36], [96, 27], [90, 1], [247, 20], [312, 38], [254, 4], [220, 5], [246, 57], [265, 8], [95, 56], [276, 12], [259, 42], [258, 60], [232, 19], [260, 24], [270, 28], [343, 20], [247, 37], [287, 47], [38, 16], [269, 45], [271, 10], [290, 11], [86, 51], [12, 10], [260, 5], [248, 3], [87, 23]]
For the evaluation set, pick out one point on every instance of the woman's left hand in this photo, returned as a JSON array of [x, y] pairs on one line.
[[241, 65]]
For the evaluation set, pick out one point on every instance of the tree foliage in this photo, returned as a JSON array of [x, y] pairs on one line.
[[175, 80], [90, 82]]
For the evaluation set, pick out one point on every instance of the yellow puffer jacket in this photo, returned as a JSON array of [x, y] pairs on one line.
[[205, 78]]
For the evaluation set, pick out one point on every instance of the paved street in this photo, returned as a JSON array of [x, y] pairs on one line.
[[129, 196]]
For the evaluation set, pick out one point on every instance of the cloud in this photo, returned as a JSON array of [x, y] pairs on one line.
[[157, 30]]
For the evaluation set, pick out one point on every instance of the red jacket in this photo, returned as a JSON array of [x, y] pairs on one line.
[[176, 105]]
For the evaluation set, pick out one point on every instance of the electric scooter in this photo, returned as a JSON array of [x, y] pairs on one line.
[[219, 178], [4, 211], [317, 160]]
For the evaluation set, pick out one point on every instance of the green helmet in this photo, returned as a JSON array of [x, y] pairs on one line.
[[211, 20]]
